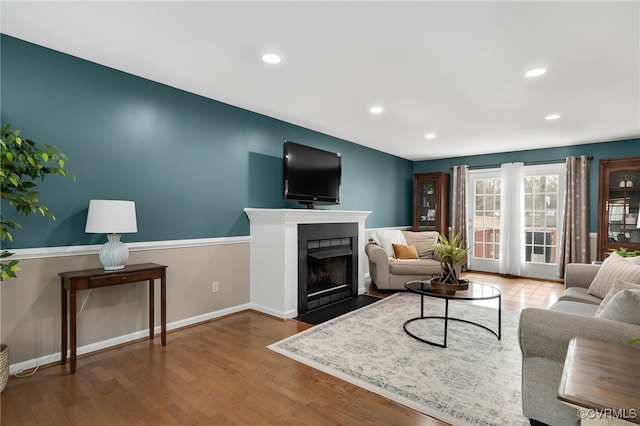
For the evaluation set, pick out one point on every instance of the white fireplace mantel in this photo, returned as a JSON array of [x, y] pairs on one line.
[[274, 254]]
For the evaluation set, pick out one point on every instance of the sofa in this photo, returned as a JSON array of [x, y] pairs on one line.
[[396, 256], [600, 302]]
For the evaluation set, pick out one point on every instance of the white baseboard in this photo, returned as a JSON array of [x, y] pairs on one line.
[[105, 344], [273, 312]]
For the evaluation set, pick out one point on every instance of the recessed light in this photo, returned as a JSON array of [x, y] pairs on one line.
[[271, 58], [536, 72], [552, 117], [376, 109], [430, 136]]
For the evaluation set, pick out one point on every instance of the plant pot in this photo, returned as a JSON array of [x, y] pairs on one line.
[[4, 366], [449, 288]]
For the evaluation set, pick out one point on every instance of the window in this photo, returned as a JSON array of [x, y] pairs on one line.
[[486, 219], [541, 218]]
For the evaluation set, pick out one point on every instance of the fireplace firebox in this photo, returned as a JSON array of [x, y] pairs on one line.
[[327, 264]]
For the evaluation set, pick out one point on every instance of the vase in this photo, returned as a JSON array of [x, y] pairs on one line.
[[4, 366], [622, 184], [629, 183]]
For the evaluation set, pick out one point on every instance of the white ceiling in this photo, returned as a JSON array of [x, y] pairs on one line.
[[451, 68]]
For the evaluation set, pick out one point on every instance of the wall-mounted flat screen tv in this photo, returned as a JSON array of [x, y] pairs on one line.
[[311, 175]]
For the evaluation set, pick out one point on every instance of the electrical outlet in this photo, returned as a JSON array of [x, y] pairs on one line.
[[214, 287]]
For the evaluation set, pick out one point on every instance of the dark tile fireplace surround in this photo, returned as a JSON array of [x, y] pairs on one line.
[[327, 264]]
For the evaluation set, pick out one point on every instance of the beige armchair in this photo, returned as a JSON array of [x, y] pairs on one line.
[[390, 273]]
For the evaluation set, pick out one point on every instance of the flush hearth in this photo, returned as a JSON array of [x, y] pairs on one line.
[[327, 264]]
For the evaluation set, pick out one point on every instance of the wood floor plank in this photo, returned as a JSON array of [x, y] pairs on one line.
[[218, 373]]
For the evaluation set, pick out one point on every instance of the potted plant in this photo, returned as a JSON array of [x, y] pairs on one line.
[[452, 254], [623, 252], [24, 163]]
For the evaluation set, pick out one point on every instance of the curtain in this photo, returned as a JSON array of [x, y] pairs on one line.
[[575, 224], [459, 208], [511, 225]]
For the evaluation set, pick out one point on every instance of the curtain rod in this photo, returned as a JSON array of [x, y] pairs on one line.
[[526, 163]]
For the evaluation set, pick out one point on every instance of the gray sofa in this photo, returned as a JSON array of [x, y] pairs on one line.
[[389, 273], [544, 336]]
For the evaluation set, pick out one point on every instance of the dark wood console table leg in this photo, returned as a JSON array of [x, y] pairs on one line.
[[63, 315], [151, 314], [72, 328]]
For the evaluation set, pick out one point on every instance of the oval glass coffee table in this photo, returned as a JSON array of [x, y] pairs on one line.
[[476, 291]]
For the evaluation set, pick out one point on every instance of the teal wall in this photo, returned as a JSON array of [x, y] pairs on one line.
[[612, 149], [191, 164]]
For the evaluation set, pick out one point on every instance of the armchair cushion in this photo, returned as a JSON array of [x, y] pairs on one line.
[[385, 238], [614, 267], [405, 252], [424, 242], [421, 267]]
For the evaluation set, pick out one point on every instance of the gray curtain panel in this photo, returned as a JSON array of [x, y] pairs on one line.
[[575, 225], [459, 200]]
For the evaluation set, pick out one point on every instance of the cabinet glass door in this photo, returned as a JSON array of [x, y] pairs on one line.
[[623, 203], [427, 205]]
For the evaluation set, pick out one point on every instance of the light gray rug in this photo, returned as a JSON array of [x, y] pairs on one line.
[[474, 381]]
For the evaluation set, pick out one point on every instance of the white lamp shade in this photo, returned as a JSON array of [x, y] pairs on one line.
[[111, 217]]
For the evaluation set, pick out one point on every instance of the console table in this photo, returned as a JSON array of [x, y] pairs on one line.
[[72, 281], [601, 380]]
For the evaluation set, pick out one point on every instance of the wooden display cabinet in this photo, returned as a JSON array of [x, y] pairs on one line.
[[618, 205], [431, 202]]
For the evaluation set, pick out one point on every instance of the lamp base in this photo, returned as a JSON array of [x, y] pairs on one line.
[[114, 253]]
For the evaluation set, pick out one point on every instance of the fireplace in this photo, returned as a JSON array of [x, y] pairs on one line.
[[274, 254], [327, 264]]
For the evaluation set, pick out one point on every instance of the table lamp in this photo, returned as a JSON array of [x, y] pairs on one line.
[[112, 217]]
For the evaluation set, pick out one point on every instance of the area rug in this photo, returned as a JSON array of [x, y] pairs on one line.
[[476, 380]]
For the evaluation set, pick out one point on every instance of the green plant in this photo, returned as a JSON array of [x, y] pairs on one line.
[[451, 254], [627, 176], [622, 251], [634, 341], [24, 163]]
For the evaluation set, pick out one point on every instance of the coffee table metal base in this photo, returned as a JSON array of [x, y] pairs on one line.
[[447, 318]]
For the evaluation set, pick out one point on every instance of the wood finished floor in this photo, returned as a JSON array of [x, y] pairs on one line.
[[219, 373]]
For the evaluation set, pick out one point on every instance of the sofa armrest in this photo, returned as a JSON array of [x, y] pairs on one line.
[[378, 265], [376, 254], [546, 334], [580, 274]]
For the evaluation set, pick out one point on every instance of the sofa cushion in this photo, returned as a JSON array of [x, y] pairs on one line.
[[634, 259], [579, 294], [614, 267], [573, 307], [425, 267], [624, 306], [405, 252], [386, 237], [424, 242], [618, 285]]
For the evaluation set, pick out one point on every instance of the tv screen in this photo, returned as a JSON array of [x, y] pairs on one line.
[[311, 175]]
